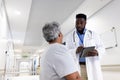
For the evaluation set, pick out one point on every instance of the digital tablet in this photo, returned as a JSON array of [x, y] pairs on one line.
[[85, 50]]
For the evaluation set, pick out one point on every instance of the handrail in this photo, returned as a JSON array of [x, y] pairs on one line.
[[1, 70], [20, 72], [114, 68]]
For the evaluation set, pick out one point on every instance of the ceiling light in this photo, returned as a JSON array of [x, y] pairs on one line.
[[39, 51], [18, 50], [17, 41], [17, 12]]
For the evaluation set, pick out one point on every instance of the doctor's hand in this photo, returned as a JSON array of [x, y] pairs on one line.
[[79, 49], [92, 53]]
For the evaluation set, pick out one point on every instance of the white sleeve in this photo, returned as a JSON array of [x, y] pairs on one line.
[[64, 64]]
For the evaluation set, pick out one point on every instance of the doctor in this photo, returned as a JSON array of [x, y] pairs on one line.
[[81, 37]]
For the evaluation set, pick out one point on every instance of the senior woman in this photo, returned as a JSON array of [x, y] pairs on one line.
[[56, 63]]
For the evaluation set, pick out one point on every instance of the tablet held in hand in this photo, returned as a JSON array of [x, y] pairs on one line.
[[85, 51]]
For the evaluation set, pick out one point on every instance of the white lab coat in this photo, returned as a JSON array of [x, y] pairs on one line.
[[92, 63]]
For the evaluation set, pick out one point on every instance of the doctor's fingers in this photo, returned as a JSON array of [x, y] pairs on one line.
[[92, 53], [79, 49], [95, 52]]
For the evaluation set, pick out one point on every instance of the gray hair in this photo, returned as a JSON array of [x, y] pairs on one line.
[[51, 31]]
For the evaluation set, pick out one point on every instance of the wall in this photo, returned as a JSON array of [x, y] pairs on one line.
[[0, 2], [3, 36], [104, 20], [6, 44], [101, 22]]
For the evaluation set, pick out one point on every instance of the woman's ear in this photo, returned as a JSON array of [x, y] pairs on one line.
[[59, 34]]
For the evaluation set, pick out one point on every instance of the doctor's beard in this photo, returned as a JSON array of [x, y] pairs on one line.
[[81, 31]]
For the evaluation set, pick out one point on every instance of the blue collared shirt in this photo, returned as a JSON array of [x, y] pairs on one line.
[[81, 39]]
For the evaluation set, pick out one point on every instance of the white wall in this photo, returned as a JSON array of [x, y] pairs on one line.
[[104, 20], [6, 44], [101, 22], [3, 41], [0, 1]]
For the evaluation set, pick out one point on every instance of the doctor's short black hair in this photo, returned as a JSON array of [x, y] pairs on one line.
[[81, 16]]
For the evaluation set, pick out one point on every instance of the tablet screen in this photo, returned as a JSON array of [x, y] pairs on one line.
[[85, 50]]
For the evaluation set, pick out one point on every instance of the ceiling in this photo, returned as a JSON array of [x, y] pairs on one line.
[[27, 17], [43, 11]]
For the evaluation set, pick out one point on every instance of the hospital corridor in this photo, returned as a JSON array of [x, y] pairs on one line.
[[22, 43]]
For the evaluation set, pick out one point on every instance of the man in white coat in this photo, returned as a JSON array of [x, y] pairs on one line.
[[90, 67]]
